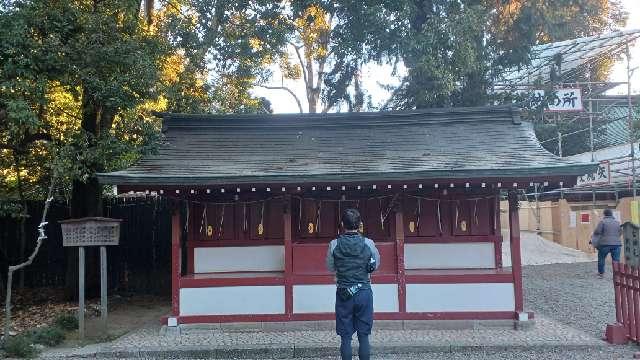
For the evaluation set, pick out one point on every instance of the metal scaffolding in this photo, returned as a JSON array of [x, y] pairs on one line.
[[567, 58], [609, 120]]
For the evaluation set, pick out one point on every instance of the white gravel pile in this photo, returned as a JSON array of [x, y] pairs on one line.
[[537, 250]]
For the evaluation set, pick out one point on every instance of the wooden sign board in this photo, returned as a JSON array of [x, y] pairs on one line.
[[90, 231]]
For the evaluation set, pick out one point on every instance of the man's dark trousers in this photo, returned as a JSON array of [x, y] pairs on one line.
[[603, 251], [355, 315]]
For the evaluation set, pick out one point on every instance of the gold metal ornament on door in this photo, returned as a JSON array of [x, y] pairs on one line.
[[412, 226]]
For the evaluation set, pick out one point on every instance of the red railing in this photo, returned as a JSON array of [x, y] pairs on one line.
[[626, 285]]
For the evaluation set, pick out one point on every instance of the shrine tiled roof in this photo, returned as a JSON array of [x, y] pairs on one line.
[[453, 143]]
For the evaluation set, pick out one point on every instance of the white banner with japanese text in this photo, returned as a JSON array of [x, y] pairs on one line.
[[563, 100], [601, 176]]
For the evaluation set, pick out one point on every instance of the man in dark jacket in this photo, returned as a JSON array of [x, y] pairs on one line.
[[353, 257], [606, 238]]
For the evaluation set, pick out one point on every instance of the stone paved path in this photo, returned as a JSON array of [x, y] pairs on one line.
[[571, 305], [545, 334]]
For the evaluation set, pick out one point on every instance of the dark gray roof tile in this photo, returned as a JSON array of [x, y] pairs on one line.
[[437, 143]]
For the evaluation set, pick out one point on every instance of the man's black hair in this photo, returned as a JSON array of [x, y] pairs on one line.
[[351, 219], [608, 212]]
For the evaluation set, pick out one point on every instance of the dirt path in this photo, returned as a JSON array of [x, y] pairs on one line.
[[125, 315]]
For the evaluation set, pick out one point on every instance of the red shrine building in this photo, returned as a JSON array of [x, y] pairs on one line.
[[263, 195]]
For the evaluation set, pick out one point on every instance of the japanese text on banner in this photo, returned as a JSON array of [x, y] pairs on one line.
[[562, 100]]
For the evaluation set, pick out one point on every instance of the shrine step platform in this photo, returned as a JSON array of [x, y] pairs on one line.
[[238, 341]]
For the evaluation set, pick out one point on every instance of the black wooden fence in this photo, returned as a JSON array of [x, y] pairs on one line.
[[140, 264]]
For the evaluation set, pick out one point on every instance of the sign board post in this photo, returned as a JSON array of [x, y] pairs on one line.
[[91, 231], [103, 287], [81, 291]]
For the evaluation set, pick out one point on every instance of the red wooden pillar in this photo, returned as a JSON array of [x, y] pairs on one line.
[[288, 259], [176, 258], [402, 284], [191, 236], [617, 291], [516, 263], [497, 232], [634, 323]]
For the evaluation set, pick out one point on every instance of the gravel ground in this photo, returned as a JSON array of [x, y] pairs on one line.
[[571, 294]]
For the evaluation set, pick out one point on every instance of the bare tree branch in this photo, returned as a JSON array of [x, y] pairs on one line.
[[24, 143], [285, 89], [321, 64], [302, 65], [36, 137], [174, 7], [393, 95], [41, 237]]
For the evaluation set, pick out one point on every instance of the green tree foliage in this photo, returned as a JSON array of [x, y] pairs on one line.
[[225, 48], [72, 72], [453, 50], [444, 50], [80, 79], [577, 142]]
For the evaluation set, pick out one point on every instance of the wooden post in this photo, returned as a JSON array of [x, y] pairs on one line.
[[636, 305], [103, 288], [288, 259], [617, 291], [176, 259], [402, 286], [624, 299], [497, 232], [516, 260], [81, 291], [635, 279], [631, 316]]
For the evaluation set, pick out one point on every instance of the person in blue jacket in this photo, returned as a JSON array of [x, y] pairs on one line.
[[353, 257]]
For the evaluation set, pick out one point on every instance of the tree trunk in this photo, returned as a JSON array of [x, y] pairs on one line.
[[312, 98], [86, 197], [86, 200], [148, 10]]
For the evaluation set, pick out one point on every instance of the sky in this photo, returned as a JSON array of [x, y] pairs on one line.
[[374, 76], [620, 70]]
